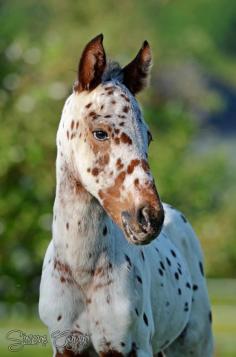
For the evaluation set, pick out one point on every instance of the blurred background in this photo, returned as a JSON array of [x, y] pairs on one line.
[[190, 107]]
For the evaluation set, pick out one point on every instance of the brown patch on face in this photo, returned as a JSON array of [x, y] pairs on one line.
[[117, 141], [132, 165], [104, 160], [111, 200], [125, 139]]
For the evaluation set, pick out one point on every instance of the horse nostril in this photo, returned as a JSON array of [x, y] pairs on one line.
[[143, 218]]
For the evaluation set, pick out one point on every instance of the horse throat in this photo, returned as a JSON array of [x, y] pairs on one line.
[[78, 225]]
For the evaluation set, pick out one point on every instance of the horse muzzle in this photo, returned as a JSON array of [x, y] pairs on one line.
[[144, 225]]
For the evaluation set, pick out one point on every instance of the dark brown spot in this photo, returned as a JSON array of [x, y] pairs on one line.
[[139, 279], [136, 182], [142, 255], [132, 165], [125, 97], [186, 308], [145, 319], [59, 318], [67, 225], [201, 268], [125, 109], [72, 125], [173, 253], [119, 164], [162, 265], [113, 102], [88, 105], [125, 139], [107, 116], [128, 260], [67, 134], [95, 171], [77, 124], [145, 165], [117, 141]]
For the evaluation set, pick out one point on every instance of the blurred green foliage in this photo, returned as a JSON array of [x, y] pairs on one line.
[[40, 44]]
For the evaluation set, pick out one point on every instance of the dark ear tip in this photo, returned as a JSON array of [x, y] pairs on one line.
[[98, 38], [145, 44]]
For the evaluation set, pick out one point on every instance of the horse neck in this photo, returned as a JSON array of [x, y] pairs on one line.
[[79, 222]]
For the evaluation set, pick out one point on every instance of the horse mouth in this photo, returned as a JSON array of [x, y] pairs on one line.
[[144, 235]]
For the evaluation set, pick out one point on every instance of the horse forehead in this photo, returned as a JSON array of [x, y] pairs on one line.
[[114, 97]]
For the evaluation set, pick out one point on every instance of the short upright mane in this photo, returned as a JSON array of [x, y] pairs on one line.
[[112, 71]]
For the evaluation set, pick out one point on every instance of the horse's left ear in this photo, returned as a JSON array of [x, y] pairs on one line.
[[136, 73], [91, 65]]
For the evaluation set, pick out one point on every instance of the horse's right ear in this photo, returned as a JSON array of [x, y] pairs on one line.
[[91, 65]]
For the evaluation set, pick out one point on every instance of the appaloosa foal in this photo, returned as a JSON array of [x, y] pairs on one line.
[[105, 291]]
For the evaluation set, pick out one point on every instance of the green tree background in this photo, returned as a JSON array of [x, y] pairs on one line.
[[192, 156]]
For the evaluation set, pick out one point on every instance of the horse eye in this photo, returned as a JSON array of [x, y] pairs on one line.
[[100, 135], [149, 137]]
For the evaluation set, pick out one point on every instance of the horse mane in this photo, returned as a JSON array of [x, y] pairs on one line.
[[113, 71]]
